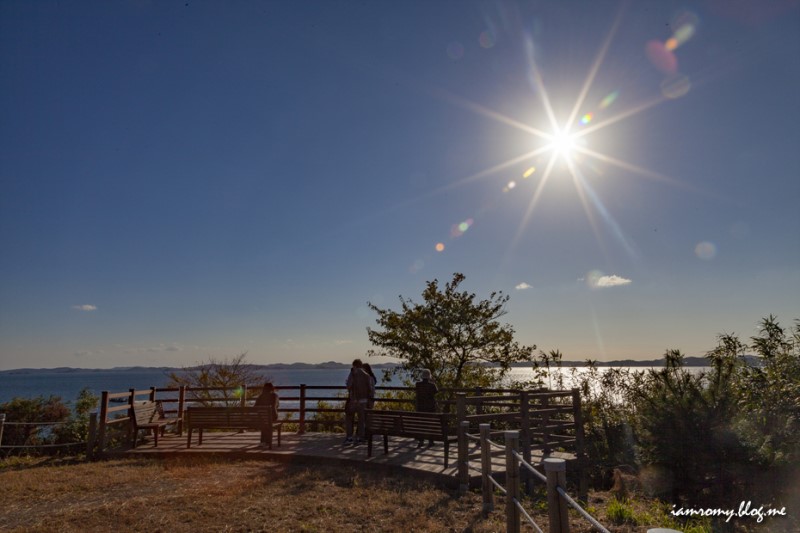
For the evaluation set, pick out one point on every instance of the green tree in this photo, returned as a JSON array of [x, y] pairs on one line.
[[32, 410], [222, 380], [457, 337]]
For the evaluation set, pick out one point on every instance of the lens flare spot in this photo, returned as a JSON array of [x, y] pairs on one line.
[[587, 118], [671, 44], [440, 247], [661, 58], [486, 39], [686, 23], [528, 173], [416, 266], [455, 50], [457, 230], [608, 100], [675, 86], [705, 250]]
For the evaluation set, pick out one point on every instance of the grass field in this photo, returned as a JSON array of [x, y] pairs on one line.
[[200, 494]]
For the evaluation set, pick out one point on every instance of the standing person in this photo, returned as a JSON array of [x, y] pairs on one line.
[[368, 370], [360, 389], [268, 398], [426, 398]]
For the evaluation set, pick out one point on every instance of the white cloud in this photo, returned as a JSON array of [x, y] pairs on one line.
[[85, 307], [611, 281], [523, 286]]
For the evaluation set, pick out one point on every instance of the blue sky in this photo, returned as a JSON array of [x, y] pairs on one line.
[[185, 180]]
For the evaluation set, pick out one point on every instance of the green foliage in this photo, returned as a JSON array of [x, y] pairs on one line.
[[620, 512], [223, 380], [33, 410], [70, 427], [452, 334], [76, 428], [704, 436], [684, 424]]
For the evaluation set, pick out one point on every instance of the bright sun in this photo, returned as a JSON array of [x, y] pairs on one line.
[[563, 144]]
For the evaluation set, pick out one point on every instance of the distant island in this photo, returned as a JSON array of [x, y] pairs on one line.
[[333, 365]]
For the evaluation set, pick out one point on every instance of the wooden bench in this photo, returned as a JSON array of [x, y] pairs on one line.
[[149, 415], [255, 418], [412, 424]]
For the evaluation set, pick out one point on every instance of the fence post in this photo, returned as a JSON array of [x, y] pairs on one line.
[[103, 417], [463, 457], [580, 452], [461, 406], [181, 406], [512, 482], [486, 470], [92, 437], [2, 423], [301, 426], [525, 437], [556, 471], [479, 405], [152, 394], [243, 399], [545, 421]]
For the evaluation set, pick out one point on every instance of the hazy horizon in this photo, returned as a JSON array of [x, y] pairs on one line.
[[181, 181]]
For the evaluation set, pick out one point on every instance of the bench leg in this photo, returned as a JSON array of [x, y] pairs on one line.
[[386, 445], [155, 435], [369, 444], [189, 438]]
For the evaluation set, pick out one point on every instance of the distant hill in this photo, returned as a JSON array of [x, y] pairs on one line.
[[332, 365]]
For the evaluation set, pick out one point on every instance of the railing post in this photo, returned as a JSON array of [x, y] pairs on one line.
[[152, 394], [301, 426], [103, 417], [512, 482], [2, 423], [463, 457], [556, 471], [525, 438], [479, 405], [92, 437], [181, 407], [131, 402], [580, 452], [243, 399], [486, 470], [545, 421], [461, 406]]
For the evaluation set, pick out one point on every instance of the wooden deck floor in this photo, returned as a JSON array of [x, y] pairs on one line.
[[325, 448]]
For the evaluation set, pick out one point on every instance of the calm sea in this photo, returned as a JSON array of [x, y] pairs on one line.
[[67, 385]]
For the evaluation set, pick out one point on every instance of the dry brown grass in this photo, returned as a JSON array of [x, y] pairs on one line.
[[198, 495], [207, 495]]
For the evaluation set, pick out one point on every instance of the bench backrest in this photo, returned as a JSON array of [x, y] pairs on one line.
[[146, 411], [251, 417], [406, 423]]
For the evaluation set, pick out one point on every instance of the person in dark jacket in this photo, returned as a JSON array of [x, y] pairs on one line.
[[426, 397], [371, 374], [360, 389], [268, 398]]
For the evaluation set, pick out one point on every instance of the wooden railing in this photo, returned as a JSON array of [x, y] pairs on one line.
[[547, 420], [558, 500]]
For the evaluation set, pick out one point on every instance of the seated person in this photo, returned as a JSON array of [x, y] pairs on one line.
[[268, 398]]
